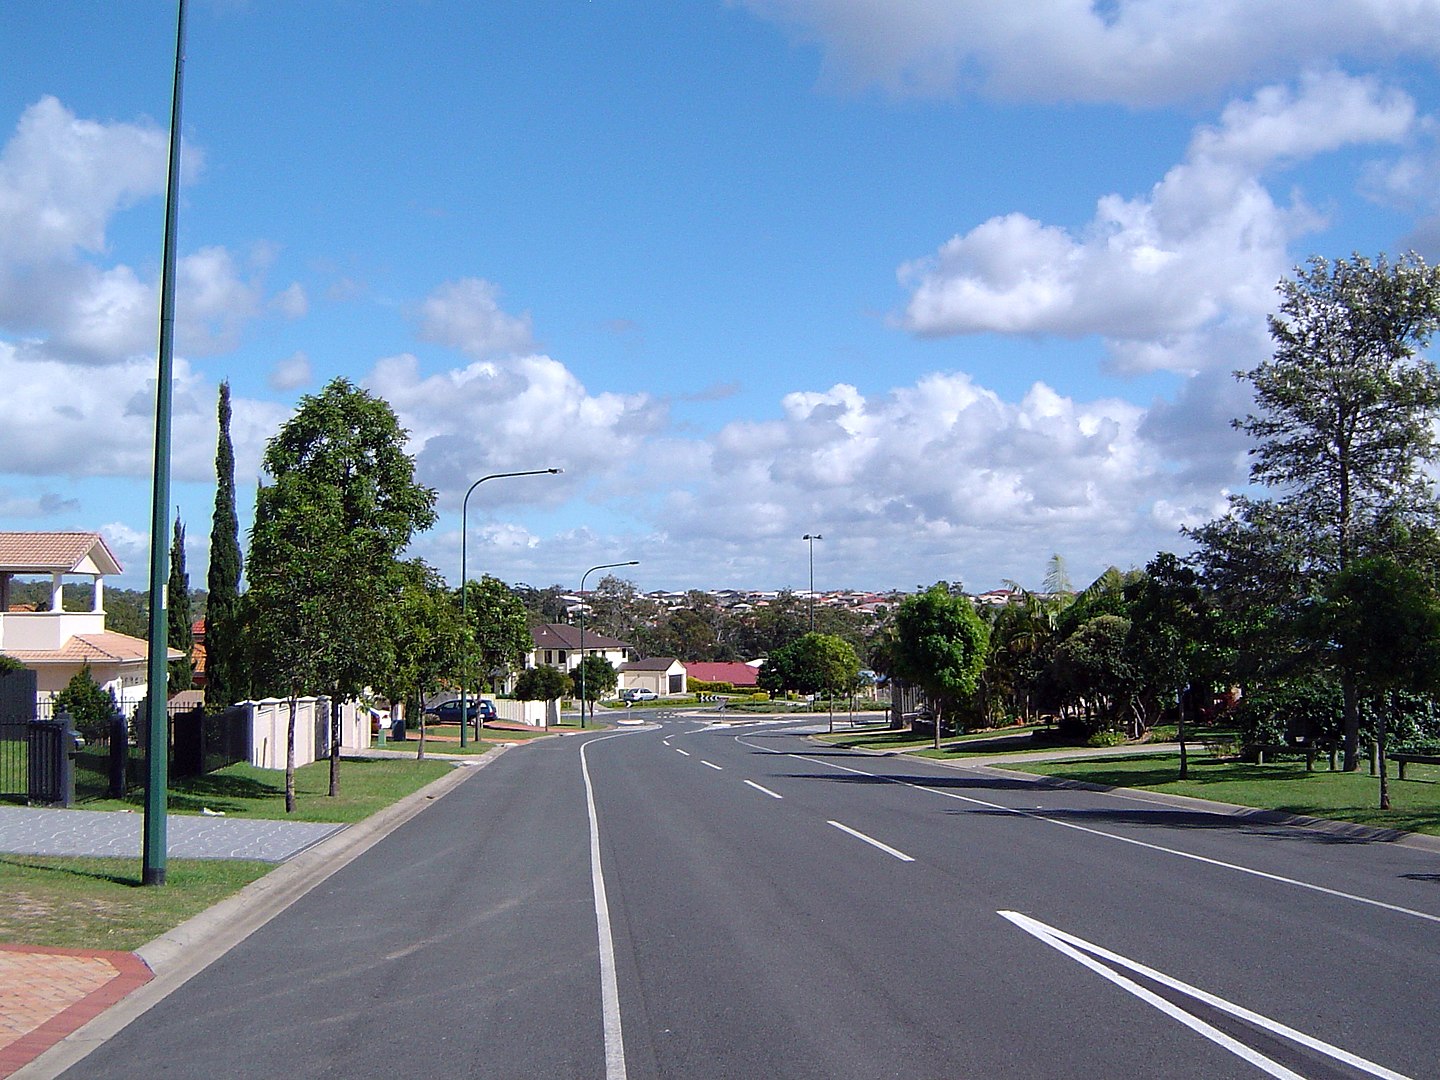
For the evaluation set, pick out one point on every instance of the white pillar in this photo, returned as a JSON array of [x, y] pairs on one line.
[[99, 606], [57, 596]]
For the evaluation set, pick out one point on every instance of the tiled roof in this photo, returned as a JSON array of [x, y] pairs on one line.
[[53, 552], [735, 673], [563, 636], [104, 648], [654, 663]]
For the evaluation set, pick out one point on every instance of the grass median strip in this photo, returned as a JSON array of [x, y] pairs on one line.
[[1284, 786]]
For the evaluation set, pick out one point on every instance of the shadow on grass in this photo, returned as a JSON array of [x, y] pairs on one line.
[[21, 862]]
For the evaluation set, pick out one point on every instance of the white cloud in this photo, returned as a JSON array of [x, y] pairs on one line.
[[1138, 52], [43, 504], [291, 301], [466, 315], [291, 373], [524, 413], [1159, 276]]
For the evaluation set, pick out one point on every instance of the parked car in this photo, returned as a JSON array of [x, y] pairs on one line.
[[638, 693], [448, 712]]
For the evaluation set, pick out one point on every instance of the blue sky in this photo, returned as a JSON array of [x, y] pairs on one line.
[[954, 285]]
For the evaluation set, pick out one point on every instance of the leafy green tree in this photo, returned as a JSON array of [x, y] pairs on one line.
[[1346, 412], [499, 630], [178, 613], [1384, 620], [327, 536], [1096, 670], [89, 704], [543, 683], [600, 679], [940, 646], [430, 641], [225, 676]]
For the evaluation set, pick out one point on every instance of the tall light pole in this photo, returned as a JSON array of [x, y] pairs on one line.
[[157, 743], [602, 566], [810, 538], [465, 585]]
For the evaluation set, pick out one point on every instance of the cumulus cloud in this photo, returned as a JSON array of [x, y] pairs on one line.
[[466, 315], [1159, 276], [526, 412], [44, 504], [291, 373], [1138, 52]]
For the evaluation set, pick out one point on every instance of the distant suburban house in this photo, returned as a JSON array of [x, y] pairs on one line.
[[558, 645], [663, 674], [734, 673], [56, 644]]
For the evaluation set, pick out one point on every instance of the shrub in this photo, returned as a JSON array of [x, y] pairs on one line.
[[1106, 738], [88, 704]]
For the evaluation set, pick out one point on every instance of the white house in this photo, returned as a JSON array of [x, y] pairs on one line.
[[57, 644], [663, 674], [558, 645]]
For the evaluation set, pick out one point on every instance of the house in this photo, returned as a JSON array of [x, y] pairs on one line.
[[558, 645], [663, 674], [57, 644], [735, 673]]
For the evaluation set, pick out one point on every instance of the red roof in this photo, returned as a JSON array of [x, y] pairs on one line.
[[734, 672]]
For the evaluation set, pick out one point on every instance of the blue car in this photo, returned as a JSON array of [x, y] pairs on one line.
[[448, 712]]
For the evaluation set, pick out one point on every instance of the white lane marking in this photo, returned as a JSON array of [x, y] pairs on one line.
[[717, 768], [1071, 946], [766, 790], [609, 981], [873, 842], [1236, 867], [679, 751]]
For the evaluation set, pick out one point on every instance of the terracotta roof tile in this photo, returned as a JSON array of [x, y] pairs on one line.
[[104, 648], [50, 552]]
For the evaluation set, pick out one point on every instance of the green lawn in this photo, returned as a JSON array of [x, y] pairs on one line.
[[979, 742], [1283, 786], [100, 903], [366, 785]]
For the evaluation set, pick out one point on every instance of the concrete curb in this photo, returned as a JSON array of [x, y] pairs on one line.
[[182, 953]]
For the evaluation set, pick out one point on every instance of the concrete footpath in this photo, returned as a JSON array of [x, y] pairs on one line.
[[56, 1005]]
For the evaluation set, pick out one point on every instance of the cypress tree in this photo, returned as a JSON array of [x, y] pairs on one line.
[[224, 678], [177, 613]]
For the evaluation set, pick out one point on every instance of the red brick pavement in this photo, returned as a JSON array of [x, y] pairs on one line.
[[46, 993]]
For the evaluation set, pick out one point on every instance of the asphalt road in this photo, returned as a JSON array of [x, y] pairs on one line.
[[763, 907]]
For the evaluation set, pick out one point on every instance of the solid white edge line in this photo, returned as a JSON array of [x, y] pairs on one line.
[[717, 768], [609, 980], [873, 842], [766, 790], [1266, 875], [1194, 1023], [1040, 929]]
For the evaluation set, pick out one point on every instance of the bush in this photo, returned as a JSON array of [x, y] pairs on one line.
[[1106, 738], [9, 664], [89, 705]]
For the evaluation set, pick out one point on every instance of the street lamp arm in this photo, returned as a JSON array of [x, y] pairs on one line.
[[602, 566]]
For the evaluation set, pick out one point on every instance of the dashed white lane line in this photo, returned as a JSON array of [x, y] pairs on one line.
[[717, 768], [679, 751], [766, 790], [896, 852]]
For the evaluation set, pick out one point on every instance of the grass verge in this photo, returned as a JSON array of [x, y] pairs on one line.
[[1284, 786], [100, 903], [366, 785]]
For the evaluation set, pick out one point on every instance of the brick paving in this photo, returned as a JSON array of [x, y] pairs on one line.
[[48, 992]]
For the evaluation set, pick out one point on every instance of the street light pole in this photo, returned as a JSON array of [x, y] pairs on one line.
[[157, 726], [465, 585], [602, 566], [811, 538]]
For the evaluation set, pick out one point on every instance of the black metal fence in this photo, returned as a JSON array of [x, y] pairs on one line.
[[17, 709], [203, 743]]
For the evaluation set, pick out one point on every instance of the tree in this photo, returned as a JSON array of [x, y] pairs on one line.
[[600, 678], [1096, 670], [1345, 414], [178, 613], [543, 683], [430, 641], [940, 646], [499, 630], [1384, 620], [89, 704], [225, 680], [327, 536]]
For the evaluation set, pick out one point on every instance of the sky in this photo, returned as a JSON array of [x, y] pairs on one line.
[[955, 285]]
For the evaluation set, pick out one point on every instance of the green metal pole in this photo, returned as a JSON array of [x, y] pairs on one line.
[[602, 566], [157, 751]]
